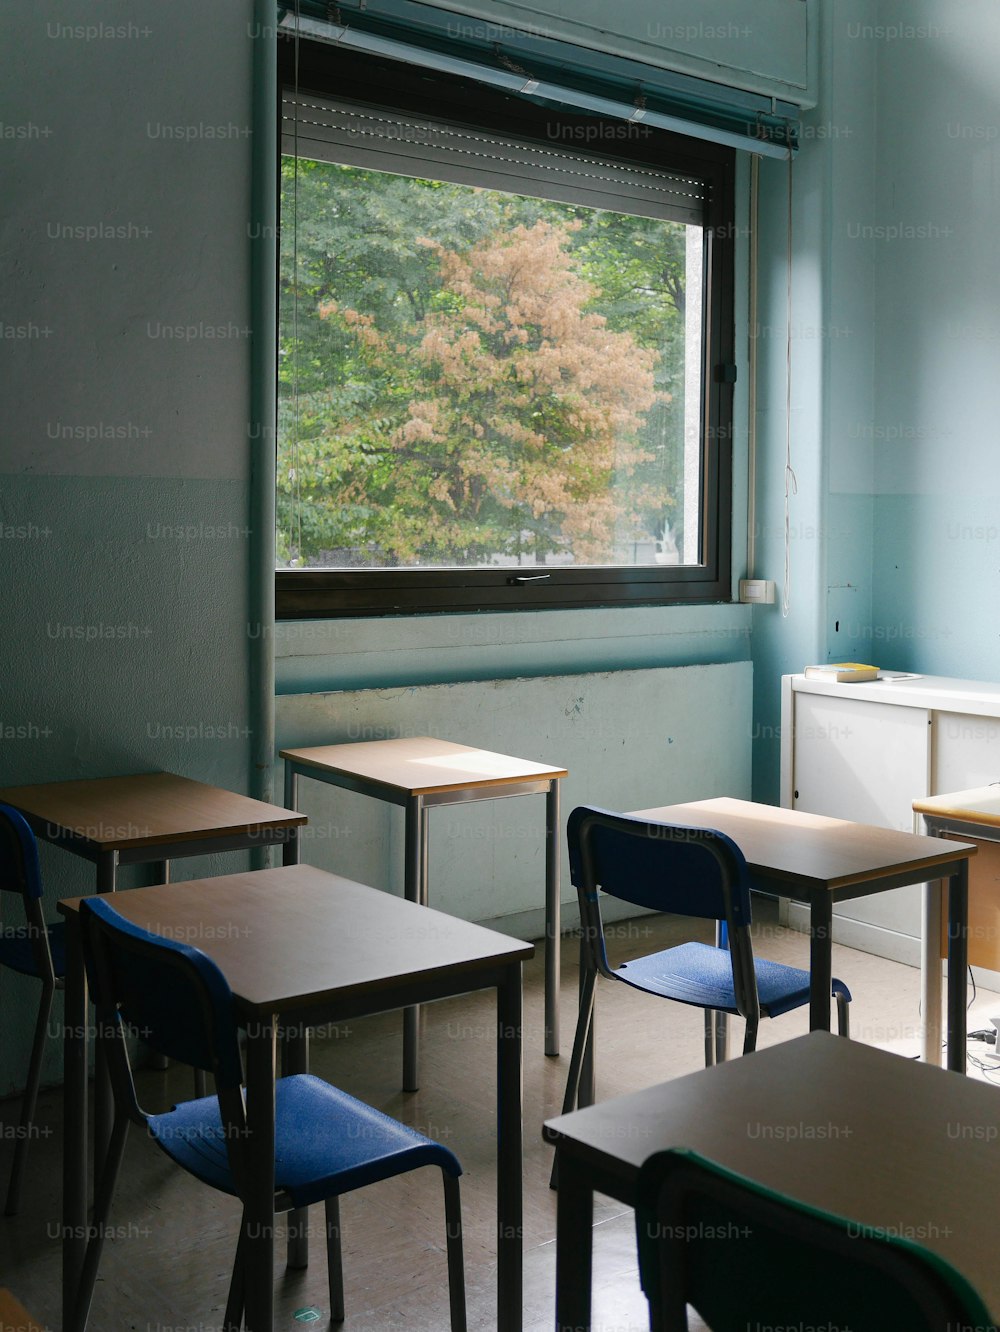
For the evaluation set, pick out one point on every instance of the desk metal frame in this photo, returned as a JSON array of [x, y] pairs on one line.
[[415, 871], [881, 1153], [133, 848], [500, 969], [110, 858], [930, 960], [948, 861]]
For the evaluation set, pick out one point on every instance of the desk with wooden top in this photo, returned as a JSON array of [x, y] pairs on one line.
[[902, 1147], [300, 947], [150, 818], [818, 860], [421, 773], [973, 815]]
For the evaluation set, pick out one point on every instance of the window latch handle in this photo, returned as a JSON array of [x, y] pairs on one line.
[[520, 579]]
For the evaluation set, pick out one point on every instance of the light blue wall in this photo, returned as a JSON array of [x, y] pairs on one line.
[[937, 342], [900, 200], [831, 512], [125, 459]]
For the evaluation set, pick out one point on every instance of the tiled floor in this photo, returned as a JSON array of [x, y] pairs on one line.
[[166, 1265]]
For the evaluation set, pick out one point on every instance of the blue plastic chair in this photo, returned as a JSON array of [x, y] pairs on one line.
[[32, 949], [687, 872], [744, 1256], [326, 1142]]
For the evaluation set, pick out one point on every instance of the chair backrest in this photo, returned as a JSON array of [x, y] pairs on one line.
[[20, 873], [687, 871], [173, 995], [668, 867], [19, 869], [744, 1256]]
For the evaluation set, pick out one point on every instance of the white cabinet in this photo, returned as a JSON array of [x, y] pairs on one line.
[[866, 752]]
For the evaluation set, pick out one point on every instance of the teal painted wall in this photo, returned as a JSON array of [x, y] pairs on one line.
[[832, 373], [125, 461], [937, 464], [894, 421]]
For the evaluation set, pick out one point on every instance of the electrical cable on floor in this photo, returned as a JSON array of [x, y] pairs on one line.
[[991, 1072]]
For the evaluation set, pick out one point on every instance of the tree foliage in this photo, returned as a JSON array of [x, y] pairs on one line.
[[469, 376]]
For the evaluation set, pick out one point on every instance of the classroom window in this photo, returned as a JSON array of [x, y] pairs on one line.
[[504, 350]]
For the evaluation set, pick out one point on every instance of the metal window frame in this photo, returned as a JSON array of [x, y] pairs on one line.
[[333, 593]]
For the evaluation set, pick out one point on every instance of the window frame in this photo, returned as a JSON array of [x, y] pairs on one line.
[[323, 70]]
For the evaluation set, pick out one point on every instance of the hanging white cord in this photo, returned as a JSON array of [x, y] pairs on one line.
[[791, 483]]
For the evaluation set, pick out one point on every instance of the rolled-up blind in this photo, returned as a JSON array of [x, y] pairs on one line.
[[404, 144], [553, 72]]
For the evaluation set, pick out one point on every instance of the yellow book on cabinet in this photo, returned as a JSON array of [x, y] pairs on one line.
[[842, 672]]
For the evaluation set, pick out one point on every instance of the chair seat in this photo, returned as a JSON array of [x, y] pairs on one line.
[[17, 953], [327, 1142], [699, 974]]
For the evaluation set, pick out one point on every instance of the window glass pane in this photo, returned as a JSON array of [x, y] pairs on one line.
[[475, 379]]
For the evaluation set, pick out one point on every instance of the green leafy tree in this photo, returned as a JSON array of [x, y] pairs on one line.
[[468, 375]]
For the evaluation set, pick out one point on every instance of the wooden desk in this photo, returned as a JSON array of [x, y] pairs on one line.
[[903, 1147], [972, 815], [152, 817], [820, 860], [309, 947], [149, 818], [420, 773]]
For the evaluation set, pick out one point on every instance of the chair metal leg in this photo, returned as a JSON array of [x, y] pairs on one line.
[[709, 1038], [200, 1084], [104, 1196], [721, 1036], [750, 1038], [30, 1101], [575, 1094], [334, 1260], [843, 1015], [233, 1318], [456, 1260]]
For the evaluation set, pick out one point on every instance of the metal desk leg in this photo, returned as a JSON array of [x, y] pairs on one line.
[[958, 965], [107, 882], [75, 1175], [930, 973], [574, 1241], [552, 857], [588, 1063], [291, 785], [260, 1177], [510, 1219], [415, 890], [295, 1059], [159, 872], [290, 848], [820, 961]]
